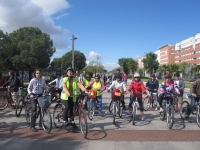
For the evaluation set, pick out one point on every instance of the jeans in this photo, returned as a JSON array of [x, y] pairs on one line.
[[34, 114], [132, 98], [99, 102], [192, 104]]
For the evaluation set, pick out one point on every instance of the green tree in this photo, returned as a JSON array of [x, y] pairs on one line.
[[173, 68], [79, 60], [128, 64], [150, 62], [196, 69]]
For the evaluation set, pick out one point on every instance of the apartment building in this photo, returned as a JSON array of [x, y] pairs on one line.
[[187, 50]]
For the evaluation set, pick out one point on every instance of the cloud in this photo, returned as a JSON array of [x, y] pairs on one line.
[[94, 55], [16, 14]]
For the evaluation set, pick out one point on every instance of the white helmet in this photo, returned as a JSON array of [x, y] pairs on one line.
[[136, 75]]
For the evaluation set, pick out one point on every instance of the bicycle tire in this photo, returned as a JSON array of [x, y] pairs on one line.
[[111, 106], [57, 115], [198, 116], [183, 109], [3, 102], [120, 109], [170, 116], [114, 111], [83, 123], [145, 102], [19, 107], [28, 113], [46, 120], [152, 101], [133, 114], [91, 109]]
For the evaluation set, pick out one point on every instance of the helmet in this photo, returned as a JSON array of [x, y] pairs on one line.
[[136, 75], [71, 69], [167, 75]]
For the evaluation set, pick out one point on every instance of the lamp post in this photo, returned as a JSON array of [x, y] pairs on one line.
[[73, 38]]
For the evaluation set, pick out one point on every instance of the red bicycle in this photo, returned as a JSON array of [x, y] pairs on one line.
[[6, 99]]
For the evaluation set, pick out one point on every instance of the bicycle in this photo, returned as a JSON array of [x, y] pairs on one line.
[[60, 108], [135, 107], [149, 100], [116, 105], [22, 102], [92, 105], [6, 99], [168, 106], [195, 110], [45, 116], [54, 93]]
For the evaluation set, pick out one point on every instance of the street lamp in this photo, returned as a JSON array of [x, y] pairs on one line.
[[73, 38]]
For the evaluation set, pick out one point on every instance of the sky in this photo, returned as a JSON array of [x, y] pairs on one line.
[[106, 30]]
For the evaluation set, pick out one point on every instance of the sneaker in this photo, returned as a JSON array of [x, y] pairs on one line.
[[186, 117], [156, 108], [73, 124], [142, 118], [66, 123], [161, 109], [101, 115], [33, 129]]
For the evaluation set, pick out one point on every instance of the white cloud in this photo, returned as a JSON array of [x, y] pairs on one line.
[[110, 65], [15, 14], [94, 55]]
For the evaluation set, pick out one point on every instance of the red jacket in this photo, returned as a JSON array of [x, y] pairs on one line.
[[137, 86]]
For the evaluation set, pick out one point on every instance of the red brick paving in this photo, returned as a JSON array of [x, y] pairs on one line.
[[104, 135]]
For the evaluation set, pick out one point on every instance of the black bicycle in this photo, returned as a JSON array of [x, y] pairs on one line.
[[43, 103]]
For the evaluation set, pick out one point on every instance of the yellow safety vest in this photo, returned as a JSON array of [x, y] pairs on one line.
[[97, 86], [86, 82], [76, 89]]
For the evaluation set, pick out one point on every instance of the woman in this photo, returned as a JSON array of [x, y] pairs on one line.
[[98, 85], [136, 89], [37, 87], [167, 86]]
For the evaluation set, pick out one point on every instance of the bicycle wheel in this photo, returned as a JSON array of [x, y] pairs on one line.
[[198, 115], [57, 115], [91, 110], [3, 102], [46, 120], [111, 106], [19, 107], [83, 123], [183, 109], [114, 110], [120, 109], [28, 113], [152, 102], [170, 116], [133, 114], [146, 102]]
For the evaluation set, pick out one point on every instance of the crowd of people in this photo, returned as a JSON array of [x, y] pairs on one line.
[[73, 84]]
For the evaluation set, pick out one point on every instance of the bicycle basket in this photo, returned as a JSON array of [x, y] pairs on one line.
[[23, 93], [117, 94], [93, 93], [44, 101]]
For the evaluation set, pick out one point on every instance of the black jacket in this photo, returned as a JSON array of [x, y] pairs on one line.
[[152, 84], [13, 83]]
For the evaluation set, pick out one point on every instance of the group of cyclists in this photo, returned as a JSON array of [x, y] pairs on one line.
[[71, 85]]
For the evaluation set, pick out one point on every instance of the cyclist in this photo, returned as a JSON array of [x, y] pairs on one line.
[[13, 84], [118, 85], [86, 81], [180, 84], [37, 87], [58, 82], [98, 85], [71, 86], [153, 86], [115, 75], [136, 88], [167, 86], [195, 91]]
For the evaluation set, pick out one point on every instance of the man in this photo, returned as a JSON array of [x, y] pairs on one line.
[[195, 91], [115, 75], [78, 76], [180, 84], [13, 85], [125, 78], [152, 86], [58, 82]]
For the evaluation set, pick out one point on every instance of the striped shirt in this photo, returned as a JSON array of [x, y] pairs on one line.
[[37, 86]]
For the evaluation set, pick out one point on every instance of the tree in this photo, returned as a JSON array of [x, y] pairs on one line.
[[128, 64], [29, 49], [79, 60], [173, 68], [150, 62], [196, 69]]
